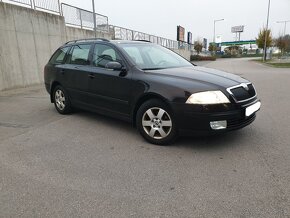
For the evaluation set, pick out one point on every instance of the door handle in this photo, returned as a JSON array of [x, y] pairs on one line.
[[92, 76], [62, 71]]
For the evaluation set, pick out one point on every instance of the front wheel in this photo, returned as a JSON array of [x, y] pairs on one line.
[[155, 122]]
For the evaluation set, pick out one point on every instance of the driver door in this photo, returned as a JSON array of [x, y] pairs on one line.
[[110, 90]]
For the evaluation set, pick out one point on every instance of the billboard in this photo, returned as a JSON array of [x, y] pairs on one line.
[[180, 33], [237, 29], [189, 38]]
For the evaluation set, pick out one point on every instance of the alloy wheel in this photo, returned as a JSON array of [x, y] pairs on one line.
[[157, 123], [60, 99]]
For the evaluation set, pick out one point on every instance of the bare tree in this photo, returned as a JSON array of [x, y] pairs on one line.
[[287, 40], [281, 43]]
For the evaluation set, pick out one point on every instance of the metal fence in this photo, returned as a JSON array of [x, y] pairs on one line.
[[84, 19], [128, 34], [47, 5], [73, 15]]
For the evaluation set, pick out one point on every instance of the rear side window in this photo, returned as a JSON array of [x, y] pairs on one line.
[[80, 55], [59, 55]]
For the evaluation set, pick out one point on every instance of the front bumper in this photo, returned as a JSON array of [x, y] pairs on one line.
[[196, 120]]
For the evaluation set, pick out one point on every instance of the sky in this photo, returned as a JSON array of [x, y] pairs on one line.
[[161, 17]]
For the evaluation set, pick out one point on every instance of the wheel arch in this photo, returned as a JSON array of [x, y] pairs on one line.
[[144, 98], [53, 85]]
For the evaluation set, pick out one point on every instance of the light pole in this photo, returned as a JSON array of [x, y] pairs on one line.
[[285, 23], [266, 31], [214, 22], [94, 16]]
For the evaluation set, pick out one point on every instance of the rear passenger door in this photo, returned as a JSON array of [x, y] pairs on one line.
[[55, 66], [76, 73]]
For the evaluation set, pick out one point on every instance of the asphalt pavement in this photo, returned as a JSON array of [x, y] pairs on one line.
[[87, 165]]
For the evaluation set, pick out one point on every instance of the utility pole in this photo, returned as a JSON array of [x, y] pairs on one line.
[[285, 23], [266, 31], [94, 16]]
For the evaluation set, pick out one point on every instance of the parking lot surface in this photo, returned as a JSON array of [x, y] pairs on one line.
[[87, 165]]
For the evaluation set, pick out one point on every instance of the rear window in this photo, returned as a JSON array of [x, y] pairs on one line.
[[59, 55]]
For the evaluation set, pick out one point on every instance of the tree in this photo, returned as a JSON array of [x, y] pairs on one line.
[[260, 41], [287, 40], [281, 43], [212, 47], [264, 34], [198, 46]]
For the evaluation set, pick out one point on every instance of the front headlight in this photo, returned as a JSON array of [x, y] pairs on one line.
[[208, 97]]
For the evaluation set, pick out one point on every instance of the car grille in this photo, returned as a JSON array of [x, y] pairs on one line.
[[242, 92]]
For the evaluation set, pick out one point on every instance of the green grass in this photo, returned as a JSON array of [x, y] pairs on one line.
[[269, 63], [280, 65]]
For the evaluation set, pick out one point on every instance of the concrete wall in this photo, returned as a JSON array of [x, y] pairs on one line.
[[27, 40], [184, 53]]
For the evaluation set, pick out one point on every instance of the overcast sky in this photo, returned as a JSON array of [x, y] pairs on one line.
[[161, 17]]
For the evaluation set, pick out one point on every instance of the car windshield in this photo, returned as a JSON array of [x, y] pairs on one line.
[[148, 56]]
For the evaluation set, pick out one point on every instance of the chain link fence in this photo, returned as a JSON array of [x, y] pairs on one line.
[[84, 19], [46, 5], [127, 34], [21, 2], [73, 16]]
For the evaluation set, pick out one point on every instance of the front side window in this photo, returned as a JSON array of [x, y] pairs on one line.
[[104, 54], [149, 56], [59, 56], [80, 55]]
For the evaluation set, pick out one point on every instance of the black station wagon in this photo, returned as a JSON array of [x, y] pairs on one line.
[[160, 92]]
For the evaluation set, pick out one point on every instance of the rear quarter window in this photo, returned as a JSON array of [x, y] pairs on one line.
[[59, 55]]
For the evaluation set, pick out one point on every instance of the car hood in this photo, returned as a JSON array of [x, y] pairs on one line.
[[203, 75]]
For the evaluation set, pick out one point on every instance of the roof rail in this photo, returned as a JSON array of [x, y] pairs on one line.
[[89, 39], [142, 40]]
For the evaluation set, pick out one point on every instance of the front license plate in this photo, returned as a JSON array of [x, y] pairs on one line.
[[253, 108]]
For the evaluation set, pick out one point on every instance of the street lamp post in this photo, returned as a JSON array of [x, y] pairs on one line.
[[214, 22], [285, 23], [94, 16], [266, 31]]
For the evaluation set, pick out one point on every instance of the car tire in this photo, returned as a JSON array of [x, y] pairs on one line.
[[156, 123], [61, 100]]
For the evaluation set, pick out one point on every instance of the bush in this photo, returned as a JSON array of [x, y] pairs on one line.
[[202, 58], [240, 56]]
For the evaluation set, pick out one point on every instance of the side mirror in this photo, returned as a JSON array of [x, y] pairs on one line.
[[113, 65]]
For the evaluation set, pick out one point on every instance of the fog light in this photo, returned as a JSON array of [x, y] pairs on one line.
[[217, 125]]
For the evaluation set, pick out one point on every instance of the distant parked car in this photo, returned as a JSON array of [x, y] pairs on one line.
[[157, 90]]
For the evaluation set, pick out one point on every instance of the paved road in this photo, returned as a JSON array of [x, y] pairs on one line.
[[86, 165]]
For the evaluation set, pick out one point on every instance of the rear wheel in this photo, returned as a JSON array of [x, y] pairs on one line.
[[61, 100], [155, 122]]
